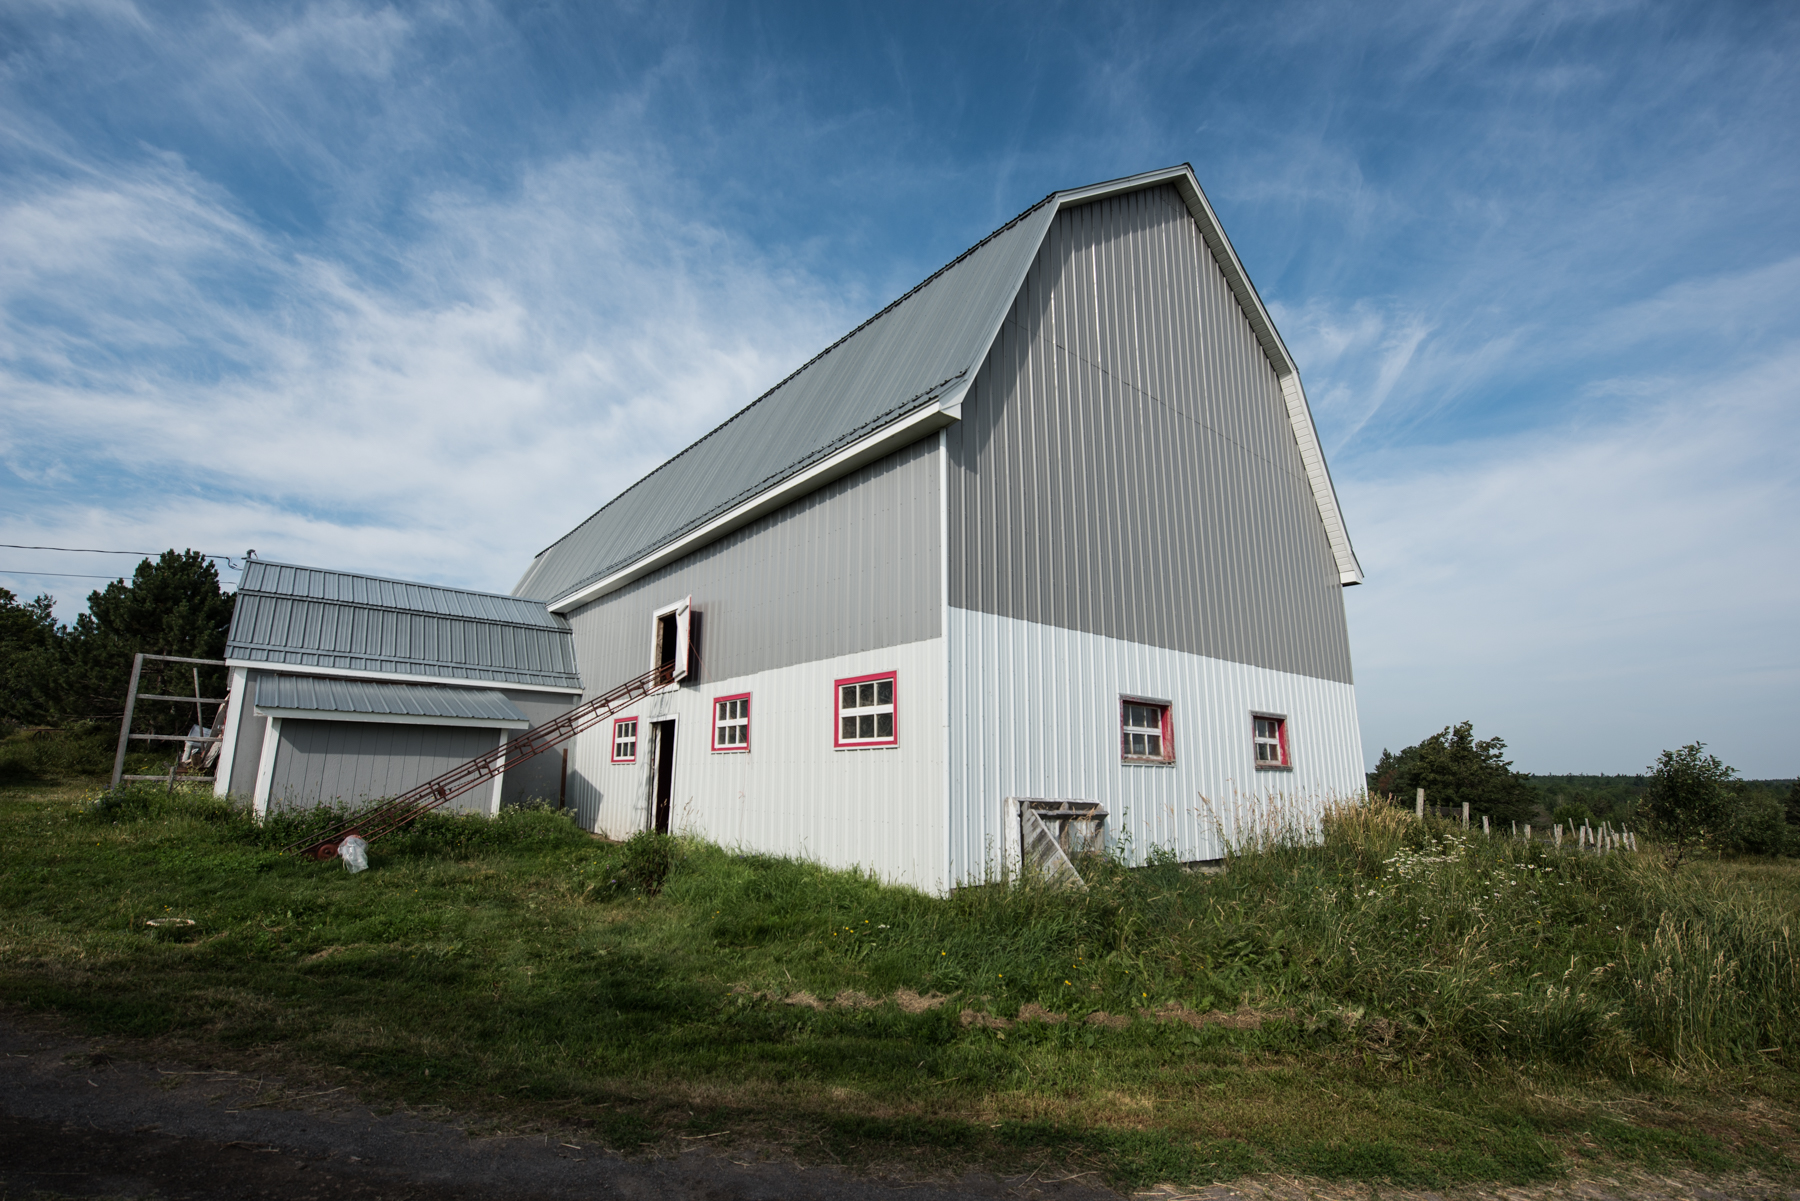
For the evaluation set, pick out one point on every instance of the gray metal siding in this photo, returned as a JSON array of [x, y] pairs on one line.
[[897, 361], [352, 761], [540, 778], [1126, 465], [249, 741], [851, 567]]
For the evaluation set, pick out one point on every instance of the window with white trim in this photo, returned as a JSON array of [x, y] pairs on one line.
[[624, 746], [731, 723], [1270, 733], [1144, 732], [866, 711]]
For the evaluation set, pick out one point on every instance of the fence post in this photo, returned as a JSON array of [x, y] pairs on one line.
[[1527, 831], [1419, 805], [1465, 815], [137, 667], [1557, 837], [1484, 825]]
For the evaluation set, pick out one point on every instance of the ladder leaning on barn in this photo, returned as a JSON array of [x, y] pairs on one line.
[[389, 816]]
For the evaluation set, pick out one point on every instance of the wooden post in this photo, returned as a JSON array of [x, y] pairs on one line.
[[1465, 815], [1484, 824], [1527, 831], [562, 790], [137, 667], [1557, 837], [1419, 805]]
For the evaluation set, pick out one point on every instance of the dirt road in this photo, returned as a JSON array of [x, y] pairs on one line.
[[84, 1119]]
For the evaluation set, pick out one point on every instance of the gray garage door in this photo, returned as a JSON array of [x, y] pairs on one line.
[[352, 762]]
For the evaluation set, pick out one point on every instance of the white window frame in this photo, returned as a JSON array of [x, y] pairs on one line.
[[875, 710], [1164, 732], [683, 610], [737, 722], [1280, 742]]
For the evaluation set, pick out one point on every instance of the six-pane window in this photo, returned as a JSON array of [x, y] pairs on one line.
[[1144, 732], [865, 711], [625, 740], [1271, 741], [731, 723]]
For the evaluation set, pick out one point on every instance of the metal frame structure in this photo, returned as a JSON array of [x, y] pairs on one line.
[[132, 697]]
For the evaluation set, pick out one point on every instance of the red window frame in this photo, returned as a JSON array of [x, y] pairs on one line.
[[613, 747], [1281, 741], [731, 748], [1167, 734], [837, 711]]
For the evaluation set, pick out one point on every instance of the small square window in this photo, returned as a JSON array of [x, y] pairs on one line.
[[1270, 733], [624, 742], [867, 714], [731, 723], [1144, 732]]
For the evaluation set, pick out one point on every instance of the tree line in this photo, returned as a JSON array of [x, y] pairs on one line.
[[1689, 800], [56, 674]]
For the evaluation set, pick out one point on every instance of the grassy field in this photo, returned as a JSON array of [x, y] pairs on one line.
[[1395, 1004]]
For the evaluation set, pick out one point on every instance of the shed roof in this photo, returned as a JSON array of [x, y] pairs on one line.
[[335, 620], [383, 698], [919, 353]]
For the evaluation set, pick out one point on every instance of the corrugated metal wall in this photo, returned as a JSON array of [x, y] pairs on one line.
[[355, 761], [1125, 464], [792, 793], [539, 778], [852, 567], [1034, 711]]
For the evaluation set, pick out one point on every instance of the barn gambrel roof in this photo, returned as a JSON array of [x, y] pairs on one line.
[[896, 377], [305, 618]]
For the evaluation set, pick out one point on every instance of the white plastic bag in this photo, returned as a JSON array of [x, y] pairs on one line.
[[355, 854]]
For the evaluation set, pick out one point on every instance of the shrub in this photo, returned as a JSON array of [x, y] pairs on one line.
[[1689, 804]]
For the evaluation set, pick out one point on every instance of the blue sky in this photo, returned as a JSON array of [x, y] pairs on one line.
[[413, 289]]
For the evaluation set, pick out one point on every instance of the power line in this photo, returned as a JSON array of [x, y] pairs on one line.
[[61, 575], [89, 550]]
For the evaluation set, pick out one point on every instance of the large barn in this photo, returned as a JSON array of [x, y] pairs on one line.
[[1054, 524]]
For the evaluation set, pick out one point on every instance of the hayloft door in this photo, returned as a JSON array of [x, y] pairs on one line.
[[663, 740]]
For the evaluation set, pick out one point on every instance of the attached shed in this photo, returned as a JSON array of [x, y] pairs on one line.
[[1054, 524], [347, 688]]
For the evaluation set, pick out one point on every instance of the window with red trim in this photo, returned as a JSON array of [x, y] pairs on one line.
[[731, 723], [624, 740], [868, 710], [1270, 733], [1144, 732]]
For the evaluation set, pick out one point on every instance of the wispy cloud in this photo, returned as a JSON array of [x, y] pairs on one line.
[[175, 375]]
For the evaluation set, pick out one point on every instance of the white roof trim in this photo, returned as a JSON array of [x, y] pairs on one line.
[[397, 719], [878, 444], [357, 673]]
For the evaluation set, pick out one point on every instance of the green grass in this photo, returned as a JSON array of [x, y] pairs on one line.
[[1395, 1004]]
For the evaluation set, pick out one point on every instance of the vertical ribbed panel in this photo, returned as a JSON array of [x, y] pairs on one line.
[[1034, 711], [1126, 464], [792, 793], [352, 762], [851, 567]]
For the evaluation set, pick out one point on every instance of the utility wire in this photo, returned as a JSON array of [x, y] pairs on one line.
[[90, 550]]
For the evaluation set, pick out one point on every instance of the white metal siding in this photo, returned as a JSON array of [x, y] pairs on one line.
[[792, 794], [1034, 711]]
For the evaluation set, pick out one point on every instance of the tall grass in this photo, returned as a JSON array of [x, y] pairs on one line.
[[1376, 933]]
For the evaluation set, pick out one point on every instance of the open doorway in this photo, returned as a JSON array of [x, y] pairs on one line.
[[662, 741]]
